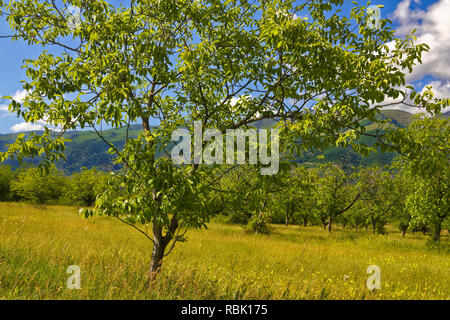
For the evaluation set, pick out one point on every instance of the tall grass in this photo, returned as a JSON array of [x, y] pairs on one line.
[[38, 243]]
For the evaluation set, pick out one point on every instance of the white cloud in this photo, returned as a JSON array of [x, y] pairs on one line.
[[441, 89], [19, 96], [25, 126], [432, 27], [234, 101]]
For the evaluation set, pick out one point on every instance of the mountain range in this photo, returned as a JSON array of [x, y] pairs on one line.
[[86, 149]]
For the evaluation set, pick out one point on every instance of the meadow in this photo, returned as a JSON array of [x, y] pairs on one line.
[[39, 243]]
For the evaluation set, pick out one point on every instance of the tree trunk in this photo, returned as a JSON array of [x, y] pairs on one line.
[[287, 217], [160, 243], [330, 222], [437, 233], [157, 256], [305, 221], [159, 246], [403, 232], [262, 208]]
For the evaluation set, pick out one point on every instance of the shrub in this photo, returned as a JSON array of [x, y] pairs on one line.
[[83, 187], [34, 186], [257, 224]]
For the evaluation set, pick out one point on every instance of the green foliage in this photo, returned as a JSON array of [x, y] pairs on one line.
[[235, 217], [257, 224], [6, 177], [402, 186], [84, 186], [86, 149], [39, 187], [426, 159], [295, 202], [336, 194], [424, 145], [377, 196]]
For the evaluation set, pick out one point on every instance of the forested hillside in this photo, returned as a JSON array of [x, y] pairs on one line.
[[86, 149]]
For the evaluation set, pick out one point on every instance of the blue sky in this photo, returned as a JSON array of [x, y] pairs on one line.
[[430, 18]]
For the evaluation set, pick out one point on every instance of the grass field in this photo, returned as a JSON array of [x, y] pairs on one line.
[[37, 244]]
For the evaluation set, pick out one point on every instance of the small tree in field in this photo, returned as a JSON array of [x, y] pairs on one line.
[[425, 146], [299, 199], [33, 185], [356, 216], [223, 63], [336, 194], [401, 189], [250, 199], [84, 186], [376, 197]]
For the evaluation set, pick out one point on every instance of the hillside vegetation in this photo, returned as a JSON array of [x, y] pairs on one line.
[[86, 149]]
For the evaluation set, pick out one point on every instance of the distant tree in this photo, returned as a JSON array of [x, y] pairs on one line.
[[6, 177], [425, 149], [303, 200], [336, 194], [283, 202], [401, 189], [39, 187], [447, 224], [356, 216], [291, 196], [234, 194], [429, 204], [83, 187], [251, 199], [377, 200]]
